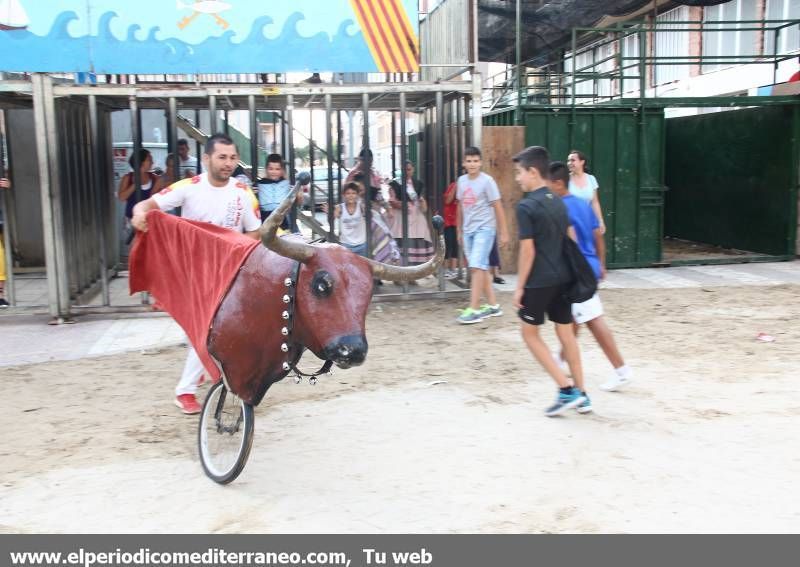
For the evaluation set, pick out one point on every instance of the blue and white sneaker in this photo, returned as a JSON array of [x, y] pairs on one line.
[[565, 402], [586, 405], [469, 316], [488, 310]]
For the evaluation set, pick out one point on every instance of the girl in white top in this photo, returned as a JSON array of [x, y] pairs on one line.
[[352, 226], [584, 185]]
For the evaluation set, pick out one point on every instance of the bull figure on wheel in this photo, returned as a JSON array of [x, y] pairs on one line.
[[287, 296]]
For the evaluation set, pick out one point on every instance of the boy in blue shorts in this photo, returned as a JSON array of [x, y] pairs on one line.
[[480, 215], [593, 246], [543, 274]]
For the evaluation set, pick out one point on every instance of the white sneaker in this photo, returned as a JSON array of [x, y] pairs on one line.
[[616, 382]]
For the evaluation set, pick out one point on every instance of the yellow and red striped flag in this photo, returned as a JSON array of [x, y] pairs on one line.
[[389, 34]]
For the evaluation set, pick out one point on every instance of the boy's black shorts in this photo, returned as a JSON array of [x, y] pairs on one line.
[[540, 300], [450, 242]]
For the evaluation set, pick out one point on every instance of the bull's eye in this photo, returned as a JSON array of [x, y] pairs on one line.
[[322, 284]]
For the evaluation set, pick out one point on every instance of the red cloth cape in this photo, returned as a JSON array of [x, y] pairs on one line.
[[188, 266]]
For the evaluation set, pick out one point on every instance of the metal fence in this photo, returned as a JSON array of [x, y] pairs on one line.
[[603, 65], [85, 266]]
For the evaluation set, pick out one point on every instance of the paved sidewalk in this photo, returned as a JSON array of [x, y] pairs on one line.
[[764, 274], [28, 339]]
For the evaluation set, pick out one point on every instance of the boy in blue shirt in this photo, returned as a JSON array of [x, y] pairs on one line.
[[272, 190], [593, 246]]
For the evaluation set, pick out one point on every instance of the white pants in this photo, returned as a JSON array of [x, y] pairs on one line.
[[192, 371]]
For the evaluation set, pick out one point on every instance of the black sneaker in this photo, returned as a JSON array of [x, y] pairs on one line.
[[3, 303], [498, 280]]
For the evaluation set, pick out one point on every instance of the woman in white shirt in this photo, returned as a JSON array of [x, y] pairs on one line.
[[584, 185]]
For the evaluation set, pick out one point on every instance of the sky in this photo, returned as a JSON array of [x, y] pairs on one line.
[[320, 16]]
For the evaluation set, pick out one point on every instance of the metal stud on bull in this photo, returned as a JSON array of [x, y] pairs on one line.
[[286, 299], [284, 331], [284, 347], [312, 381], [288, 282], [285, 315]]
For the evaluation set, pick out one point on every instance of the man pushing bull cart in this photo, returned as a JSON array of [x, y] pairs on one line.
[[250, 311]]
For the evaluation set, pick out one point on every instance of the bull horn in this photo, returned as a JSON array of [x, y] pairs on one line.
[[406, 274], [290, 247]]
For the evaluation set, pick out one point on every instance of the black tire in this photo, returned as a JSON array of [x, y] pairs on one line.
[[226, 426]]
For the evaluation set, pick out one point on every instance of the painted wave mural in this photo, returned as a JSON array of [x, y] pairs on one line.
[[119, 42]]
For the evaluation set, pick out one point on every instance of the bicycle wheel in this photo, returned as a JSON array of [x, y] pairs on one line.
[[226, 434]]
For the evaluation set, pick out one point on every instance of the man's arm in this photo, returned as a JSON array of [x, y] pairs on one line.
[[572, 234], [459, 222], [450, 194], [600, 246], [527, 254], [253, 234], [140, 210], [500, 214]]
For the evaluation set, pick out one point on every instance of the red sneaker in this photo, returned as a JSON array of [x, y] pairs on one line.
[[188, 404]]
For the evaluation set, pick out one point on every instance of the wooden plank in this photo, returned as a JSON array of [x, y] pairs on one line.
[[500, 144]]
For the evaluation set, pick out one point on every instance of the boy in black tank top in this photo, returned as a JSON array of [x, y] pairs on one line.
[[542, 275]]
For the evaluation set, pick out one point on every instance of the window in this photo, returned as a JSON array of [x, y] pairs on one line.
[[671, 44], [630, 63], [731, 41], [591, 60], [582, 63], [788, 37], [606, 56]]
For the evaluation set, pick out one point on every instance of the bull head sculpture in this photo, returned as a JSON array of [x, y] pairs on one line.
[[303, 252]]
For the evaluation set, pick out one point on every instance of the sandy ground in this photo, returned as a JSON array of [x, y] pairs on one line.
[[704, 441]]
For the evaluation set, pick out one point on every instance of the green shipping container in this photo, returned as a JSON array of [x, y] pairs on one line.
[[733, 178], [625, 151]]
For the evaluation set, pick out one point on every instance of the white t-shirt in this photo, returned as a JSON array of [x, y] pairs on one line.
[[232, 206], [476, 197], [353, 228], [188, 165], [587, 192], [410, 191]]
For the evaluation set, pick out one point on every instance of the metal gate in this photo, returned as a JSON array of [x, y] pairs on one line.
[[625, 147]]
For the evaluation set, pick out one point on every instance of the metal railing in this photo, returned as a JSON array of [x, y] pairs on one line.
[[603, 65]]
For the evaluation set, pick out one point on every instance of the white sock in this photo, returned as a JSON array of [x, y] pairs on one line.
[[623, 371]]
